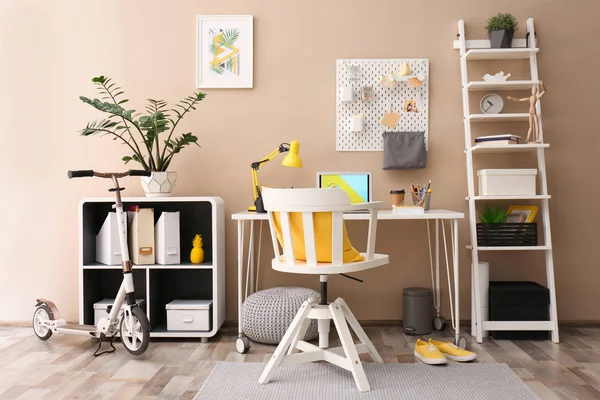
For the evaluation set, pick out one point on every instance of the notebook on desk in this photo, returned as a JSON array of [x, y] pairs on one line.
[[357, 185]]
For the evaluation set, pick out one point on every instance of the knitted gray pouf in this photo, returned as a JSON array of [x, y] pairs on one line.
[[267, 314]]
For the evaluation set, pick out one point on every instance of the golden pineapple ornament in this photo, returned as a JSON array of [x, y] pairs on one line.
[[197, 254]]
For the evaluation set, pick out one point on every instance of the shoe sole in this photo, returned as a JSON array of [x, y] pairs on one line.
[[461, 358], [431, 361]]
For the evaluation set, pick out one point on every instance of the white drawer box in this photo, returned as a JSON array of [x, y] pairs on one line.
[[101, 306], [507, 182], [189, 315]]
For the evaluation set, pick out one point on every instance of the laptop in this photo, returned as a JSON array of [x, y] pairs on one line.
[[357, 185]]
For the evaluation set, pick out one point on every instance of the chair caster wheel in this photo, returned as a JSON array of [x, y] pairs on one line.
[[439, 323], [242, 345], [462, 342]]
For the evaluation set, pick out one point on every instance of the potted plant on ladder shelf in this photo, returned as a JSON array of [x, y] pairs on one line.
[[501, 28], [149, 137]]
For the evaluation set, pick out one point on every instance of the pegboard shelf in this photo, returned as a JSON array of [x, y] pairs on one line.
[[368, 134]]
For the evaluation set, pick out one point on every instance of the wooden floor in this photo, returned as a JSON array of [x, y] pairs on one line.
[[63, 367]]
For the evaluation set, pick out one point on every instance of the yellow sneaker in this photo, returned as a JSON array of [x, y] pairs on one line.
[[453, 352], [428, 353]]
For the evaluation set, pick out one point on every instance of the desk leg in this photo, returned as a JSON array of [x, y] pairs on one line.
[[454, 237], [437, 266], [240, 273], [250, 271]]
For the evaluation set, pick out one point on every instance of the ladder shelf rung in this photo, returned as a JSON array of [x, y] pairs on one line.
[[502, 148], [509, 248], [508, 117], [517, 325], [477, 86], [500, 54], [536, 197]]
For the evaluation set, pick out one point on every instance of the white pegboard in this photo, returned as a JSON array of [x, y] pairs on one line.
[[370, 73]]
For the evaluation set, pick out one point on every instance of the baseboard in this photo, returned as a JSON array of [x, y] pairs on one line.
[[465, 323]]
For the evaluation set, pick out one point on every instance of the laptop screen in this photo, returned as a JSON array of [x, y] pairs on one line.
[[356, 185]]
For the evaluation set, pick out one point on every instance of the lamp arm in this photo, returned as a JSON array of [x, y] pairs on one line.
[[283, 147]]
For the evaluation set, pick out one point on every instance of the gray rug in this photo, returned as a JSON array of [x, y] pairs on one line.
[[388, 381]]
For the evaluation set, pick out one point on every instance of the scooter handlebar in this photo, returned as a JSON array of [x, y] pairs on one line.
[[135, 172], [80, 173]]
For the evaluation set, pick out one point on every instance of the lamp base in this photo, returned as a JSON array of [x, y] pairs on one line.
[[258, 205], [252, 209]]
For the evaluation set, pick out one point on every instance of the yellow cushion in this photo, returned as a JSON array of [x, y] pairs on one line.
[[323, 238]]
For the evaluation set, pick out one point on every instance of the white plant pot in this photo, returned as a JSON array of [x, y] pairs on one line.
[[159, 183]]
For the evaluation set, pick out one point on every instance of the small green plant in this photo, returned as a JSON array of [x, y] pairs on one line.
[[502, 21], [141, 133], [492, 215]]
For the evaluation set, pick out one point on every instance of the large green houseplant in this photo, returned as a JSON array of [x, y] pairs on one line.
[[148, 136], [501, 28]]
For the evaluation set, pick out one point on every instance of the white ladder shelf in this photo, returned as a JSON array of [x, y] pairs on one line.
[[476, 50]]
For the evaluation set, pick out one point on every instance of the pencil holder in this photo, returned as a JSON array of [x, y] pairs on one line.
[[418, 203], [422, 200]]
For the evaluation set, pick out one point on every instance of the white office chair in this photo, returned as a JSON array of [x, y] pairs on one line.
[[307, 202]]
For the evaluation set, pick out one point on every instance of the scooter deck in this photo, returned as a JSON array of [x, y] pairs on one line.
[[75, 327]]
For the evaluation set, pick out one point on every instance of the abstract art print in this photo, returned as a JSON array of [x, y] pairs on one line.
[[224, 51]]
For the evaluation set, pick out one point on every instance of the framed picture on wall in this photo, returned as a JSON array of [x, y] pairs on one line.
[[224, 51]]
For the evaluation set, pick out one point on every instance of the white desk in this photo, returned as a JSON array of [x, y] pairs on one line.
[[438, 216]]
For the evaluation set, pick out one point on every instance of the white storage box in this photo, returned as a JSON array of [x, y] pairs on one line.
[[507, 182], [108, 246], [189, 315], [101, 306]]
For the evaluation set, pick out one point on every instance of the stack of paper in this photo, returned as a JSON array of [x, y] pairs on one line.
[[498, 139]]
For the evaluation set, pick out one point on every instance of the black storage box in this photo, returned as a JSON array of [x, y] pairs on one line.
[[519, 301]]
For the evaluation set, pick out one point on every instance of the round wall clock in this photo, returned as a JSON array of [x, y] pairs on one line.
[[491, 104]]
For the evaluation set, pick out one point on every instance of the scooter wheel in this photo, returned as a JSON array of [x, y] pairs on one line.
[[462, 342], [439, 323], [137, 337], [242, 345], [42, 313]]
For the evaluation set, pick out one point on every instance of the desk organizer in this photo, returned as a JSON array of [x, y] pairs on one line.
[[363, 76], [507, 234]]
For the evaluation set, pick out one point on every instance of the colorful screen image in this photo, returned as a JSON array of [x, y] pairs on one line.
[[356, 186]]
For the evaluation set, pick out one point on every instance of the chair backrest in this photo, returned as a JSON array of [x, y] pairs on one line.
[[307, 202]]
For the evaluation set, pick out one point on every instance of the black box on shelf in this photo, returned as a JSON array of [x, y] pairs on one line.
[[519, 301]]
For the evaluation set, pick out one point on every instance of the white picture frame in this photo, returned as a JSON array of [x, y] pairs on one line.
[[224, 51]]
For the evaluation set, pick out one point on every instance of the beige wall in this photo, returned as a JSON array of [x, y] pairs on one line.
[[50, 50]]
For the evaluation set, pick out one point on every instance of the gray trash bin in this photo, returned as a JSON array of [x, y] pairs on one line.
[[417, 311]]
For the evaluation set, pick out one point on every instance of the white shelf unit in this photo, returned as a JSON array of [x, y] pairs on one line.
[[159, 284], [478, 50]]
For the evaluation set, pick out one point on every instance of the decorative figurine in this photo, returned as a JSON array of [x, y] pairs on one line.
[[197, 254], [533, 118], [498, 77]]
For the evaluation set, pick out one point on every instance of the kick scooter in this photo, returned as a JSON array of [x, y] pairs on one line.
[[127, 319]]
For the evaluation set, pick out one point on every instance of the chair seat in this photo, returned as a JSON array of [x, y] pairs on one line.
[[300, 266]]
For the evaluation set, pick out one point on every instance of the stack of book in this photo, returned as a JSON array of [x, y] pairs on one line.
[[494, 140]]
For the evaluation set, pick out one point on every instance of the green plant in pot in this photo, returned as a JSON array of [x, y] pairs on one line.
[[149, 137], [501, 28], [493, 215]]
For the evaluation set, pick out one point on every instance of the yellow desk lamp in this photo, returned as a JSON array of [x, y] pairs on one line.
[[291, 160]]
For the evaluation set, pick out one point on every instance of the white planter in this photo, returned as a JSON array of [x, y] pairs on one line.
[[159, 184]]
